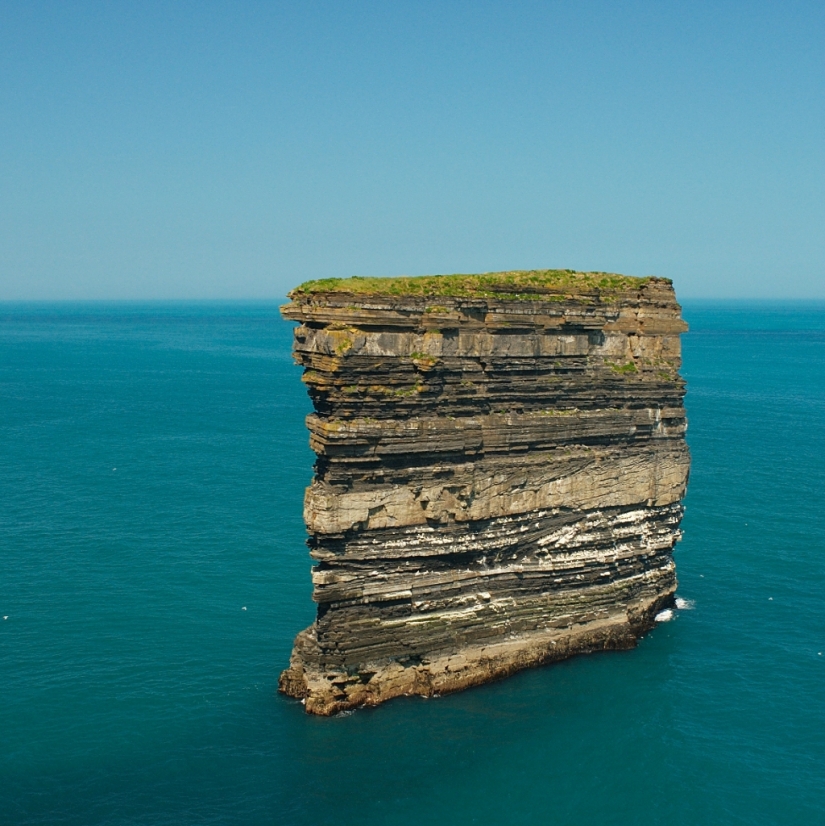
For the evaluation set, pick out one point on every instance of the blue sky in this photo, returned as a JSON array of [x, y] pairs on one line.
[[233, 150]]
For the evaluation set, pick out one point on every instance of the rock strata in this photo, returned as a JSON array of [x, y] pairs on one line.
[[500, 467]]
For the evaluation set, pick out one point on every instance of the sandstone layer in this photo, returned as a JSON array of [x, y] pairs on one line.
[[499, 475]]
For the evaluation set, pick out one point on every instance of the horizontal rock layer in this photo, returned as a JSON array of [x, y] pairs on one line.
[[498, 484]]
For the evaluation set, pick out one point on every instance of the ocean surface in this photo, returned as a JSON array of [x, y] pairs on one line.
[[153, 573]]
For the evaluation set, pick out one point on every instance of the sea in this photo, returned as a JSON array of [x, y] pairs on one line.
[[153, 574]]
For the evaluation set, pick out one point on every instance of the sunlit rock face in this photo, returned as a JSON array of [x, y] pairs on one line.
[[498, 481]]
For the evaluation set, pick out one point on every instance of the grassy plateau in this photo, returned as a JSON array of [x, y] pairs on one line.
[[522, 284]]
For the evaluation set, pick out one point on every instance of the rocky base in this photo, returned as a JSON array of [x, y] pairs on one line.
[[328, 692]]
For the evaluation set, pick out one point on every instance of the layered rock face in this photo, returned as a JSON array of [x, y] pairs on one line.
[[498, 480]]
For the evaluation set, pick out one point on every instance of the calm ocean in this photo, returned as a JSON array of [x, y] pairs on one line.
[[153, 574]]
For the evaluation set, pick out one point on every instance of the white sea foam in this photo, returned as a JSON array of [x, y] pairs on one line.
[[685, 604], [664, 616]]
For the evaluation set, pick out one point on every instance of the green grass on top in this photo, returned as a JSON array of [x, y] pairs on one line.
[[522, 284]]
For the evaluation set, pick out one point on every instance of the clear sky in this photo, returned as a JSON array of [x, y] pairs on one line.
[[233, 150]]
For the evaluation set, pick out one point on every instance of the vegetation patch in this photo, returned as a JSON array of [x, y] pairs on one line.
[[397, 392], [623, 369], [406, 392], [514, 285]]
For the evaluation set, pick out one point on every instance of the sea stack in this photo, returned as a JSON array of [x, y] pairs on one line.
[[501, 460]]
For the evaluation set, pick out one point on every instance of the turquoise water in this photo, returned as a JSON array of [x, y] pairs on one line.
[[152, 466]]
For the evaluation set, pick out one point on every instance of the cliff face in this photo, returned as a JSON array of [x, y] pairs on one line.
[[498, 479]]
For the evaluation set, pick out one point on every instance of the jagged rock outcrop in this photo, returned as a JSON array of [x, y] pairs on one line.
[[500, 467]]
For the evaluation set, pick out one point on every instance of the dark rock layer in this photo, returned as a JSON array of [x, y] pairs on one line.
[[498, 483]]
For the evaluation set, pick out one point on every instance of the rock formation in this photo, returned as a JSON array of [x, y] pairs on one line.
[[500, 467]]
